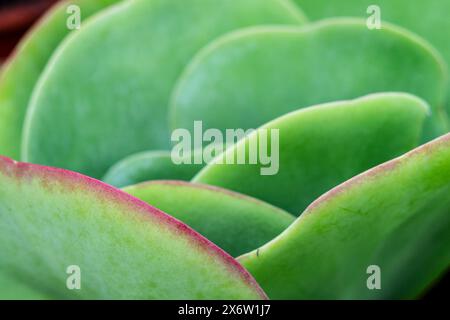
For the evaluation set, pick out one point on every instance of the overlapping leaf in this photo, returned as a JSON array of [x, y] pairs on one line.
[[235, 222], [151, 165], [320, 147], [395, 217], [51, 219], [250, 77], [427, 18], [23, 69], [114, 102]]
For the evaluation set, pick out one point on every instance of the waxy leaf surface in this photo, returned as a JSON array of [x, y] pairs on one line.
[[23, 68], [53, 219], [320, 147], [151, 165], [394, 217], [13, 289], [427, 18], [250, 77], [105, 93], [235, 222]]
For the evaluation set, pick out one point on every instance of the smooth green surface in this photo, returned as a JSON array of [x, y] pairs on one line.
[[51, 219], [12, 289], [24, 67], [427, 18], [322, 146], [114, 102], [235, 222], [146, 166], [248, 78], [395, 216]]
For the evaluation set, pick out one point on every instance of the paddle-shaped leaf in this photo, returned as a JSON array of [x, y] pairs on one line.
[[427, 18], [114, 102], [248, 78], [146, 166], [320, 147], [235, 222], [51, 219], [394, 218], [23, 68]]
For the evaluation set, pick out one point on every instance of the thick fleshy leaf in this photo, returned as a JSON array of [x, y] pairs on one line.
[[114, 103], [427, 18], [395, 217], [248, 78], [150, 165], [235, 222], [320, 147], [22, 70], [52, 219]]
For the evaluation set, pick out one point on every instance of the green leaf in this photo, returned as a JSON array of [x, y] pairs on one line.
[[150, 165], [23, 68], [12, 289], [51, 219], [395, 216], [248, 78], [235, 222], [320, 147], [105, 93], [427, 18]]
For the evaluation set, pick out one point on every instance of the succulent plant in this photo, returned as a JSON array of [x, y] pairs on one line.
[[142, 94], [339, 162]]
